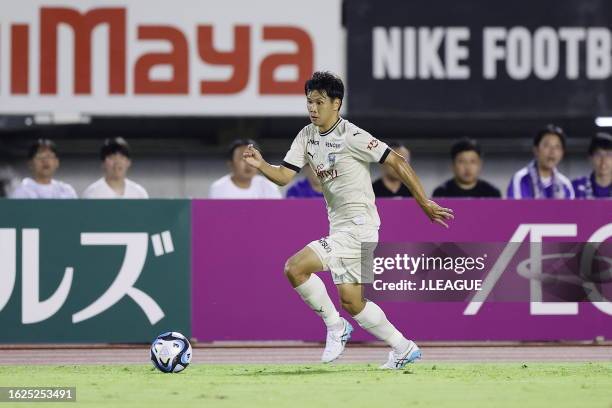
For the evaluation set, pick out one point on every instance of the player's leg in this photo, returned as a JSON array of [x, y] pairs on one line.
[[300, 270], [372, 318]]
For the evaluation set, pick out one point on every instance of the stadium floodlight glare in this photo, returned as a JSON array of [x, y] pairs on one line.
[[604, 121], [61, 118]]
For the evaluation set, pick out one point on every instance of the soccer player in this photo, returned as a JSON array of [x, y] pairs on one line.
[[599, 183], [540, 178], [340, 153], [43, 162], [466, 183], [115, 155]]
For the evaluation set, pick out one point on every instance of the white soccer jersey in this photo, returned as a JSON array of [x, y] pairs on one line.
[[341, 159]]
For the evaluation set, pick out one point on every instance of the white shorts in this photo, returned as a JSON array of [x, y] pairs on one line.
[[343, 252]]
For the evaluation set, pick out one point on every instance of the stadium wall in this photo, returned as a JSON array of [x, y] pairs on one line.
[[124, 271]]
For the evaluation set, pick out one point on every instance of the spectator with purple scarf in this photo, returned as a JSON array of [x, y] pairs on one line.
[[540, 179], [599, 183]]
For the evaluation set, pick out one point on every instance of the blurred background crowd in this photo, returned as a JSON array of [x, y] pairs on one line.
[[541, 177]]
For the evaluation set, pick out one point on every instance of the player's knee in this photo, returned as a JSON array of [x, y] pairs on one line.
[[292, 269]]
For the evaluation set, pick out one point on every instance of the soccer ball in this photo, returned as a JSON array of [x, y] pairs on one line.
[[171, 352]]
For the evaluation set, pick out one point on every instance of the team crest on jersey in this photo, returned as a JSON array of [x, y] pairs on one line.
[[331, 158]]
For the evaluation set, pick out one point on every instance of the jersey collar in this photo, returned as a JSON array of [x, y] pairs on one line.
[[331, 129]]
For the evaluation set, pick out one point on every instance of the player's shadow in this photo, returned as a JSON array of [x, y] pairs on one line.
[[299, 371]]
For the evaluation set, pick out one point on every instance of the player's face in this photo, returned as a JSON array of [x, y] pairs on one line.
[[388, 171], [240, 169], [549, 152], [602, 162], [116, 166], [322, 110], [466, 167], [44, 164]]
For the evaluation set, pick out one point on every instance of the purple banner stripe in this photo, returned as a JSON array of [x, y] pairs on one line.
[[240, 293]]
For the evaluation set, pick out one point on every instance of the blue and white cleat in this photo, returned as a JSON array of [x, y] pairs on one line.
[[399, 361], [336, 341]]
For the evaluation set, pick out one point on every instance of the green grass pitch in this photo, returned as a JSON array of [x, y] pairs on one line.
[[340, 385]]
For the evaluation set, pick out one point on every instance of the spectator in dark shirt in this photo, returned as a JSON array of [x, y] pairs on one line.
[[389, 185], [599, 183], [467, 164], [309, 187]]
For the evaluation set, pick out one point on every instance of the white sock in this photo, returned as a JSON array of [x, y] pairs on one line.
[[315, 295], [373, 319]]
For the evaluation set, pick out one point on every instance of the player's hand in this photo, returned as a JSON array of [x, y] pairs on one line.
[[437, 214], [252, 156]]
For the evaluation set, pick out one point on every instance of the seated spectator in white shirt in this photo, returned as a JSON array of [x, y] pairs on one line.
[[243, 180], [115, 155], [43, 163]]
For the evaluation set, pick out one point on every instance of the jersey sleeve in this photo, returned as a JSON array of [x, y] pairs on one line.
[[295, 158], [365, 147]]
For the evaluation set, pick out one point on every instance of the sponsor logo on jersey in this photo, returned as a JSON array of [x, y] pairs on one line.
[[324, 175], [325, 245], [333, 145], [313, 142], [373, 143]]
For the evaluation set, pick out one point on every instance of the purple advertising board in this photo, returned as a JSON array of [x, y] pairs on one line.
[[239, 249]]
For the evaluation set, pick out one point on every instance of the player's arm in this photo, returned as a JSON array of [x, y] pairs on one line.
[[407, 175], [279, 175]]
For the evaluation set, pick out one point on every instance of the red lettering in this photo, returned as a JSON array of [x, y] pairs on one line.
[[82, 26], [178, 58], [303, 59], [20, 58], [239, 59]]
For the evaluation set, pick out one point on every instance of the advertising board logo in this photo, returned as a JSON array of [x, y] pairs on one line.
[[184, 51], [35, 310], [535, 233]]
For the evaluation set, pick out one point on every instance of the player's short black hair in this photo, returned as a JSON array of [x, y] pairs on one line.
[[115, 145], [325, 81], [550, 129], [41, 144], [600, 141], [465, 145], [238, 143]]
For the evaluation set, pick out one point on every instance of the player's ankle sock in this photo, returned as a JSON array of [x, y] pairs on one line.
[[314, 293], [373, 319]]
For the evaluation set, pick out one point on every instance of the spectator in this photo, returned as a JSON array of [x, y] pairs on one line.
[[390, 185], [309, 187], [43, 163], [540, 178], [243, 180], [599, 183], [115, 155], [467, 164], [8, 181]]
